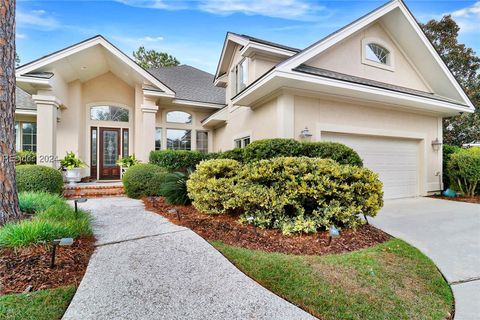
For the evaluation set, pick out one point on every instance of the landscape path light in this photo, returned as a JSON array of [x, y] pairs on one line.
[[77, 201], [59, 242], [332, 233]]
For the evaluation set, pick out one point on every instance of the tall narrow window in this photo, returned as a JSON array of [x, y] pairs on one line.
[[158, 138], [240, 76], [179, 139], [202, 141], [125, 142], [93, 152], [29, 136]]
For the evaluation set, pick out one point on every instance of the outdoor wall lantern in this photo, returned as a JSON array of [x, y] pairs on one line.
[[59, 242], [332, 233], [436, 144], [305, 134]]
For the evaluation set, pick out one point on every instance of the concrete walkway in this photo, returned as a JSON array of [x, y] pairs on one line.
[[449, 233], [144, 267]]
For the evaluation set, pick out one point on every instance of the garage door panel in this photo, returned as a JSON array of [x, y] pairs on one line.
[[395, 160]]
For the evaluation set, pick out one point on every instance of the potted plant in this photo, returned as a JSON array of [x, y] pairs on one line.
[[72, 166], [127, 162]]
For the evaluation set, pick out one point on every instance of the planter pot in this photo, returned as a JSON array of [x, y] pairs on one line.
[[73, 175]]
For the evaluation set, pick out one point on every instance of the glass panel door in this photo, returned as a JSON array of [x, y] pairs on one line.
[[109, 153]]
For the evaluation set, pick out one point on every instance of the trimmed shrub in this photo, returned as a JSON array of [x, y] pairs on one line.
[[272, 148], [143, 180], [294, 194], [331, 150], [32, 202], [448, 150], [212, 185], [37, 178], [174, 188], [234, 154], [464, 170], [26, 157], [177, 160]]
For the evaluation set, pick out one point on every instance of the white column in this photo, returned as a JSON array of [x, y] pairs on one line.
[[149, 114], [47, 113], [286, 116]]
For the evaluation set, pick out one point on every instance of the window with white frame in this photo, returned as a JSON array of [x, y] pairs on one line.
[[158, 138], [202, 141], [240, 76], [109, 113], [179, 117], [377, 53], [242, 142], [26, 136], [178, 139]]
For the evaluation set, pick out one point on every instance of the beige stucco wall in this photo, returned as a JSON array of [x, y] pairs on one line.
[[323, 115], [346, 57], [259, 123]]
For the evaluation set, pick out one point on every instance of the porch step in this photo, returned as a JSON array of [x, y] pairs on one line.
[[92, 190]]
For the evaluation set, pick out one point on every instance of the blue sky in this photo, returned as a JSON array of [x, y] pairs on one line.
[[194, 31]]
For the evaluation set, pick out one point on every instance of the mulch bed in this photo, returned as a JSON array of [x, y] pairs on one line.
[[29, 268], [474, 199], [227, 229]]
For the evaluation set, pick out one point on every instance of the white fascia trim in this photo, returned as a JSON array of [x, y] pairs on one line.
[[350, 86], [26, 112], [85, 45], [33, 80], [252, 47], [334, 38], [153, 93], [233, 38], [198, 103]]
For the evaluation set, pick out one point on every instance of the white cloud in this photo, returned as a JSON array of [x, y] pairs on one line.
[[38, 19], [19, 35], [468, 18], [287, 9], [150, 42]]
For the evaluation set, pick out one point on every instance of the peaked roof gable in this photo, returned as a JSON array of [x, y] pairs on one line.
[[441, 78], [29, 69]]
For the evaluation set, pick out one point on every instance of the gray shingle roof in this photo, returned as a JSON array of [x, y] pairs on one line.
[[190, 83], [372, 83], [268, 43], [24, 100]]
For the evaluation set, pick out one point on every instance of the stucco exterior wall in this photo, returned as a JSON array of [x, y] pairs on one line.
[[259, 123], [346, 57], [323, 115]]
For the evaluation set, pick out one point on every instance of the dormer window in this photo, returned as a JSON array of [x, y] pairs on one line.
[[239, 77], [377, 54]]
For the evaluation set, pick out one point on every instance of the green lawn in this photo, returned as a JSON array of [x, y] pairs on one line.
[[392, 280], [40, 305]]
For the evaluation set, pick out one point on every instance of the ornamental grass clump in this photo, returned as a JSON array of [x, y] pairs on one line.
[[293, 194]]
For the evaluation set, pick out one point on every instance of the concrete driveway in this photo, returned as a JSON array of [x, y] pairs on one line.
[[449, 233]]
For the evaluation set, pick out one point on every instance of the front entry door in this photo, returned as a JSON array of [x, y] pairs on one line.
[[109, 153]]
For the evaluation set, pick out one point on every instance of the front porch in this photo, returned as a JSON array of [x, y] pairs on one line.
[[93, 190]]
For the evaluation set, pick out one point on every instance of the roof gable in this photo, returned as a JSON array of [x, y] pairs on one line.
[[99, 47], [398, 20]]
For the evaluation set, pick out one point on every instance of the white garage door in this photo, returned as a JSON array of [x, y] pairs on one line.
[[395, 160]]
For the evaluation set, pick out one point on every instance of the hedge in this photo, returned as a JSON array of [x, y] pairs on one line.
[[143, 180], [177, 160], [26, 157], [36, 178], [448, 150], [272, 148], [463, 168], [294, 194]]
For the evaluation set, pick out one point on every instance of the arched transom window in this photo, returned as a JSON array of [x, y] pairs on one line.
[[109, 113], [179, 117], [377, 53]]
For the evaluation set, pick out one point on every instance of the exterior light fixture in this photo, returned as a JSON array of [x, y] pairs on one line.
[[251, 220], [332, 233], [436, 144], [77, 201], [59, 242], [305, 134]]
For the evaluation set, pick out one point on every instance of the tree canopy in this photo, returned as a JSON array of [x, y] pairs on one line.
[[153, 59], [465, 66]]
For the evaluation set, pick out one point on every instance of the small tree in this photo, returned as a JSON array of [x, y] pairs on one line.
[[8, 191], [465, 66], [153, 59]]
